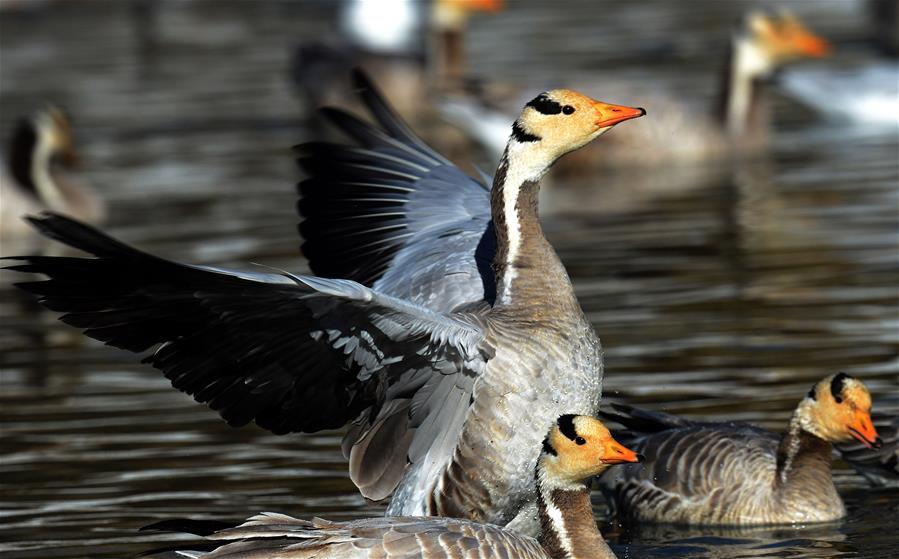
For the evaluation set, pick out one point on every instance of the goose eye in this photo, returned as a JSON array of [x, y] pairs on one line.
[[568, 109], [580, 441]]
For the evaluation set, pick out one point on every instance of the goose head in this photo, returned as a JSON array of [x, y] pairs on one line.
[[577, 448], [560, 121], [838, 409], [775, 41]]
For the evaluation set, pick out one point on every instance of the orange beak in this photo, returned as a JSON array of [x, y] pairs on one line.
[[863, 430], [483, 5], [812, 45], [616, 453], [610, 115]]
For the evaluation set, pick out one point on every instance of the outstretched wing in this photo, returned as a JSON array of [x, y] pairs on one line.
[[292, 353], [392, 213]]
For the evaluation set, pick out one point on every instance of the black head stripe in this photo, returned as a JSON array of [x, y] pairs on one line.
[[545, 105], [548, 448], [566, 426], [813, 394], [522, 136], [836, 386]]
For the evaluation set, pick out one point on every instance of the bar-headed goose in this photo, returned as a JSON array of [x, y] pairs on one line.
[[736, 474], [575, 449], [435, 364], [39, 146]]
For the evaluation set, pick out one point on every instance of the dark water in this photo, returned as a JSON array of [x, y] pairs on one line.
[[718, 292]]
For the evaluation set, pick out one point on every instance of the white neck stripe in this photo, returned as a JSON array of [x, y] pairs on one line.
[[523, 164]]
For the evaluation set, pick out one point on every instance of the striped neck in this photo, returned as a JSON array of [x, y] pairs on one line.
[[802, 455], [567, 527], [743, 88], [520, 244]]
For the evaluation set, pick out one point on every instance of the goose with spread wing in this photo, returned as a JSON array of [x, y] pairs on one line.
[[575, 449], [434, 363]]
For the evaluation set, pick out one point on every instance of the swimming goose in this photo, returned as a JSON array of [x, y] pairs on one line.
[[435, 363], [678, 132], [38, 146], [575, 449], [737, 474]]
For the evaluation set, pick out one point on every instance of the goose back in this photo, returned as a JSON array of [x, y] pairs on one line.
[[699, 473], [269, 534]]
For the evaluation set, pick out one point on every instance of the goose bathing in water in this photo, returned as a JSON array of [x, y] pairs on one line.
[[434, 356], [575, 449], [737, 474]]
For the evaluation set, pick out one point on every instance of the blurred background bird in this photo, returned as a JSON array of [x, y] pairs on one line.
[[39, 152]]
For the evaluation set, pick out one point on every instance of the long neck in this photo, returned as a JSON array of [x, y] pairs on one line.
[[448, 23], [448, 52], [46, 187], [568, 529], [743, 106], [525, 264], [803, 459]]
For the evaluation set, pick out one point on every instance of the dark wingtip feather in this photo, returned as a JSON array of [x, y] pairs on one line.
[[640, 420], [187, 526], [184, 548], [33, 287], [361, 80], [78, 235]]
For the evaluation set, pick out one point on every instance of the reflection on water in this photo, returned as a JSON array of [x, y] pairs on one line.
[[718, 291]]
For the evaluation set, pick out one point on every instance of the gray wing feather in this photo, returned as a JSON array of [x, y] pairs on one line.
[[269, 535], [293, 353], [394, 214]]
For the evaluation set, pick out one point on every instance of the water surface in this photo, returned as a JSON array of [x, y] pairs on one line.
[[718, 292]]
